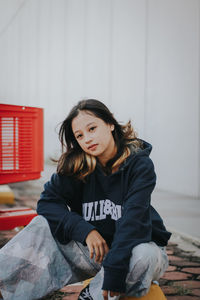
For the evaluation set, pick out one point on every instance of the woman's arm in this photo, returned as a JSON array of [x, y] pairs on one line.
[[60, 193], [134, 227]]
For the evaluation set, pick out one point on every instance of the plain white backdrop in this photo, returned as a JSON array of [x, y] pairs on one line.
[[140, 57]]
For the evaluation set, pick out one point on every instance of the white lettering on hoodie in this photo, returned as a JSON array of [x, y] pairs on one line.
[[99, 210]]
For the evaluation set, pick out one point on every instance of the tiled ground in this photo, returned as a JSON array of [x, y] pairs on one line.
[[182, 279], [180, 282]]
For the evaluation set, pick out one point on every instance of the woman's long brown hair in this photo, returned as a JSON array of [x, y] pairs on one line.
[[74, 161]]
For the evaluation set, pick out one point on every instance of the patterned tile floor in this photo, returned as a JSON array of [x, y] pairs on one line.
[[180, 281]]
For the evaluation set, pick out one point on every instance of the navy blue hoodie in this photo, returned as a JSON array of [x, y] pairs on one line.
[[117, 205]]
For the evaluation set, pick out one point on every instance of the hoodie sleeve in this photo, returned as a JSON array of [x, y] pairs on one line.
[[60, 204], [134, 227]]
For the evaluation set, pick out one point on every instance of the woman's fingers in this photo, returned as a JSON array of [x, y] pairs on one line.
[[103, 250], [97, 253], [100, 251], [106, 249], [105, 295], [112, 294], [91, 251], [96, 245]]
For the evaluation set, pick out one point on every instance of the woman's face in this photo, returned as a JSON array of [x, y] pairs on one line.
[[94, 136]]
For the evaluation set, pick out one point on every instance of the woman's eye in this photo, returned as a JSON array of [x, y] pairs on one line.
[[79, 136], [92, 128]]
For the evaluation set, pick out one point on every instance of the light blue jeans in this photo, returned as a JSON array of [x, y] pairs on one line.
[[33, 264]]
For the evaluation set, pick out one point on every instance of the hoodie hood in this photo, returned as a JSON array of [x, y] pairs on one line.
[[145, 150]]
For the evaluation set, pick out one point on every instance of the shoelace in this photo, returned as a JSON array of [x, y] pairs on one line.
[[85, 294]]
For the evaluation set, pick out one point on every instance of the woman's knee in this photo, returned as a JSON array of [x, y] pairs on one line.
[[38, 223], [39, 219], [144, 253], [148, 258], [37, 230]]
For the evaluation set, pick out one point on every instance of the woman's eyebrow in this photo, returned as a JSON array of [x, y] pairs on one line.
[[86, 126], [90, 124]]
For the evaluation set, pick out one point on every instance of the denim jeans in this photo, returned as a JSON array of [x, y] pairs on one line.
[[33, 264]]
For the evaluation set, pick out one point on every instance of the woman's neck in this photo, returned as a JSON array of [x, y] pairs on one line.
[[107, 156]]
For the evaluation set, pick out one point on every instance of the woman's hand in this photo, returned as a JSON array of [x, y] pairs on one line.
[[112, 294], [96, 245]]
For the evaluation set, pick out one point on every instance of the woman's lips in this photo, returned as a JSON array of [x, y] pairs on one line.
[[92, 147]]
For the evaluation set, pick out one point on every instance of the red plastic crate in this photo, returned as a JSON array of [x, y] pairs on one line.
[[21, 143], [15, 217]]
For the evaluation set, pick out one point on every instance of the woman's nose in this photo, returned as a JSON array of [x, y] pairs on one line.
[[88, 139]]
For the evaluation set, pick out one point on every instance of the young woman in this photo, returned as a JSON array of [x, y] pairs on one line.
[[95, 217]]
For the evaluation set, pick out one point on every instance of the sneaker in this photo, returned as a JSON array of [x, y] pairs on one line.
[[85, 294]]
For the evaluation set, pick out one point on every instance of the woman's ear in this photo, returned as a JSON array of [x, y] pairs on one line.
[[112, 127]]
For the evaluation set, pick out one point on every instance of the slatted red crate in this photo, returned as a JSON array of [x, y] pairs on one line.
[[15, 217], [21, 143]]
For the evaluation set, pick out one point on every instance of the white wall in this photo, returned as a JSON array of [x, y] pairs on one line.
[[172, 118], [141, 57]]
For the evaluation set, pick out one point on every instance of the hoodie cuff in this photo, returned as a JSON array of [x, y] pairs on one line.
[[114, 280], [81, 231]]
